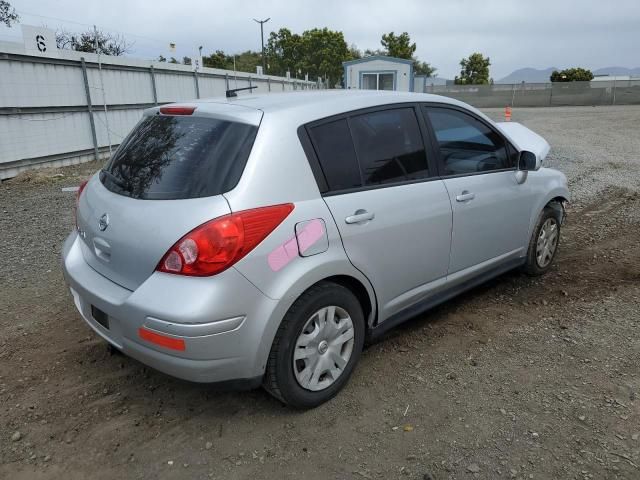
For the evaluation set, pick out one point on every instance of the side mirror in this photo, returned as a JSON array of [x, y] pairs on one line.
[[527, 161]]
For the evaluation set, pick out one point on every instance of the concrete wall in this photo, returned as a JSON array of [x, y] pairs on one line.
[[45, 118], [626, 92]]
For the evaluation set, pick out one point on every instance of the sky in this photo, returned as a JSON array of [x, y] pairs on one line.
[[513, 33]]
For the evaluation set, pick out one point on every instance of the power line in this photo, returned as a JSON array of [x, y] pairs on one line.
[[90, 26]]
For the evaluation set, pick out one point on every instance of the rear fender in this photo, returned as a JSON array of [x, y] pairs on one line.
[[310, 278]]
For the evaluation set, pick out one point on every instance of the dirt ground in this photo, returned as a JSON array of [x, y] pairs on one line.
[[520, 378]]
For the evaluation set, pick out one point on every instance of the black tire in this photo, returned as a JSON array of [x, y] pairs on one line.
[[532, 266], [280, 380]]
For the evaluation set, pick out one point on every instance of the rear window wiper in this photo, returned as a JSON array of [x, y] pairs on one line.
[[118, 181]]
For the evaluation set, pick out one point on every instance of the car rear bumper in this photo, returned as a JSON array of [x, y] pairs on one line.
[[220, 320]]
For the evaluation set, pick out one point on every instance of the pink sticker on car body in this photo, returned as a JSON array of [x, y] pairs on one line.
[[286, 252], [311, 233]]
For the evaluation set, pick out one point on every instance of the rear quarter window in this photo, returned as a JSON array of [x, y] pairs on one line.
[[179, 157], [334, 147]]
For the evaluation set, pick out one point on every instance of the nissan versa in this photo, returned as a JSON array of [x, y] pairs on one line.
[[263, 239]]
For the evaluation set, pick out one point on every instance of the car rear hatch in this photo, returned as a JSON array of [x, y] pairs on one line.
[[166, 178]]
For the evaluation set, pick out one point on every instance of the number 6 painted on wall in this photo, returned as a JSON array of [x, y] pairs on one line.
[[40, 43]]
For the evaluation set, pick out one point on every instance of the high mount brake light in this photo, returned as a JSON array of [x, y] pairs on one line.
[[218, 244], [177, 110]]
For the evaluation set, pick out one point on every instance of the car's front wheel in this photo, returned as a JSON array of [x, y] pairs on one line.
[[543, 245], [316, 347]]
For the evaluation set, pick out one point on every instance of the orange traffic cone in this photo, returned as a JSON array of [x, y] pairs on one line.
[[507, 113]]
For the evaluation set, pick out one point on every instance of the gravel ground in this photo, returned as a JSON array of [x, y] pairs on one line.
[[520, 378]]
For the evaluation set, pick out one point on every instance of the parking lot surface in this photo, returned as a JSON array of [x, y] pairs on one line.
[[519, 378]]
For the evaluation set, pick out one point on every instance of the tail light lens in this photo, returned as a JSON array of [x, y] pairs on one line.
[[78, 194], [217, 245]]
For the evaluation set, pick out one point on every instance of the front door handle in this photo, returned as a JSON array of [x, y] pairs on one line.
[[360, 216], [465, 196]]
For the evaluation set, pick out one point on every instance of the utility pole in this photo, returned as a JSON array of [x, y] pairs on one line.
[[262, 22], [98, 48]]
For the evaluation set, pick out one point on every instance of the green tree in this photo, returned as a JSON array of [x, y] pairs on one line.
[[173, 60], [378, 51], [398, 46], [354, 52], [323, 52], [161, 58], [318, 52], [474, 71], [244, 62], [424, 68], [186, 60], [93, 42], [247, 61], [283, 51], [218, 59], [572, 75], [8, 14]]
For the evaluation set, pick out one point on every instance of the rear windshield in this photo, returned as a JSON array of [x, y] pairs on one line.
[[178, 157]]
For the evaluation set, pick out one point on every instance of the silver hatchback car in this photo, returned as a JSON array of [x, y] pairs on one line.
[[263, 239]]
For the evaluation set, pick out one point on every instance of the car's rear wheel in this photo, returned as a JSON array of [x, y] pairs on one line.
[[316, 347], [543, 245]]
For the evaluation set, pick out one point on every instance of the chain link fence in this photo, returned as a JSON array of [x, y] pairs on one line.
[[599, 92]]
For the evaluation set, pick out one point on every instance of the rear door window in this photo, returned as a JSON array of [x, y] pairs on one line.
[[389, 146], [179, 157]]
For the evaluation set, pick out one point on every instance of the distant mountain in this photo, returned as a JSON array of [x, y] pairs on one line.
[[528, 75], [617, 71], [532, 75]]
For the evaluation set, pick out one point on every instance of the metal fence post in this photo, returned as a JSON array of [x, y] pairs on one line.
[[226, 80], [195, 78], [613, 100], [283, 85], [153, 85], [87, 92], [269, 84]]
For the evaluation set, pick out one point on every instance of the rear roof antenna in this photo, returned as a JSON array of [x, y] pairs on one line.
[[232, 91]]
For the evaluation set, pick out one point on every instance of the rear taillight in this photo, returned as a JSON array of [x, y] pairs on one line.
[[216, 245], [78, 194]]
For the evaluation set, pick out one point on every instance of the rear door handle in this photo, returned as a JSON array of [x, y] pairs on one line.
[[465, 196], [360, 216]]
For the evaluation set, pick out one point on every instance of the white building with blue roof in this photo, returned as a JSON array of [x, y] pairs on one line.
[[378, 72]]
